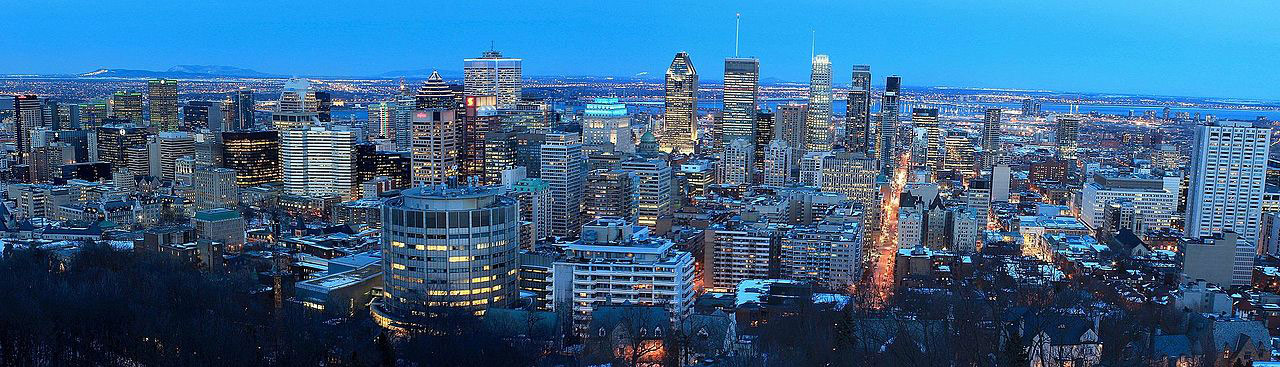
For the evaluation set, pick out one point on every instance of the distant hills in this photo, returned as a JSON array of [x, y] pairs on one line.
[[180, 71]]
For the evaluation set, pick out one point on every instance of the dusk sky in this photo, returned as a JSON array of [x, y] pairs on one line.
[[1219, 49]]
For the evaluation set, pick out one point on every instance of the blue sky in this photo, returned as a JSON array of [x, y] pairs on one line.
[[1196, 48]]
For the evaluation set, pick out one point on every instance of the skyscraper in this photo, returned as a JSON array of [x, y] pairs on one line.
[[858, 127], [480, 116], [239, 112], [173, 145], [127, 105], [605, 121], [764, 136], [927, 119], [564, 168], [297, 106], [1228, 178], [493, 75], [653, 192], [681, 116], [319, 161], [611, 193], [1067, 134], [889, 125], [435, 147], [163, 96], [741, 86], [27, 116], [452, 248], [737, 160], [818, 121], [991, 138], [255, 155]]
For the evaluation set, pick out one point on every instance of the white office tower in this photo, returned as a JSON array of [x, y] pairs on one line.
[[653, 192], [818, 121], [319, 161], [493, 75], [1228, 178], [173, 145], [735, 167], [853, 174], [297, 107], [978, 197], [680, 133], [1068, 136], [564, 168], [1000, 181], [605, 122], [535, 206], [1154, 199], [811, 168], [617, 263], [777, 163], [435, 147]]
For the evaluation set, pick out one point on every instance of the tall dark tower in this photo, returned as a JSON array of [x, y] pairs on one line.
[[889, 124], [858, 127]]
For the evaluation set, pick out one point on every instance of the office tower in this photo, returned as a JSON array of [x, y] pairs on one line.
[[810, 168], [681, 100], [324, 106], [1154, 199], [790, 128], [978, 197], [991, 138], [46, 161], [1228, 175], [737, 160], [255, 155], [433, 237], [858, 127], [1068, 136], [887, 146], [198, 115], [91, 114], [1031, 107], [381, 119], [435, 147], [27, 117], [1000, 181], [564, 169], [493, 75], [501, 150], [741, 88], [1207, 257], [611, 193], [777, 164], [209, 149], [653, 193], [535, 206], [319, 161], [173, 145], [114, 140], [853, 174], [828, 254], [296, 107], [127, 105], [479, 118], [239, 110], [695, 176], [395, 166], [214, 187], [163, 97], [818, 121], [611, 262], [434, 93], [735, 250], [927, 119], [959, 154], [139, 159], [605, 122], [403, 108], [764, 136], [221, 225]]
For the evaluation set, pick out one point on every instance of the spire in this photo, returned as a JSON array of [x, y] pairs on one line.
[[737, 27]]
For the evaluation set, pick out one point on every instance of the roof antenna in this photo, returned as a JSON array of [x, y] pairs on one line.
[[490, 45], [813, 46], [737, 26]]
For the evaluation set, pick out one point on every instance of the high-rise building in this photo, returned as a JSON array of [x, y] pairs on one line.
[[605, 122], [198, 115], [381, 119], [435, 147], [653, 192], [991, 132], [777, 164], [396, 166], [255, 155], [239, 110], [738, 159], [741, 89], [297, 106], [221, 225], [480, 117], [858, 127], [887, 146], [27, 116], [611, 193], [173, 145], [92, 114], [564, 168], [736, 250], [818, 121], [764, 136], [163, 97], [828, 253], [1068, 136], [927, 119], [127, 105], [790, 128], [1228, 179], [324, 106], [535, 206], [450, 248], [114, 141], [319, 161], [853, 174], [214, 187], [1222, 258], [681, 99], [493, 75], [960, 154]]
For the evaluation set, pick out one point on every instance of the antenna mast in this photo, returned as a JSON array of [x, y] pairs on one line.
[[813, 46], [737, 26]]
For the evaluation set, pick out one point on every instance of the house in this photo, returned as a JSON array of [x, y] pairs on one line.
[[627, 333], [1059, 340]]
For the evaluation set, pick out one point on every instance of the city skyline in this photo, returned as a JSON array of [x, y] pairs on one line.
[[1112, 48]]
